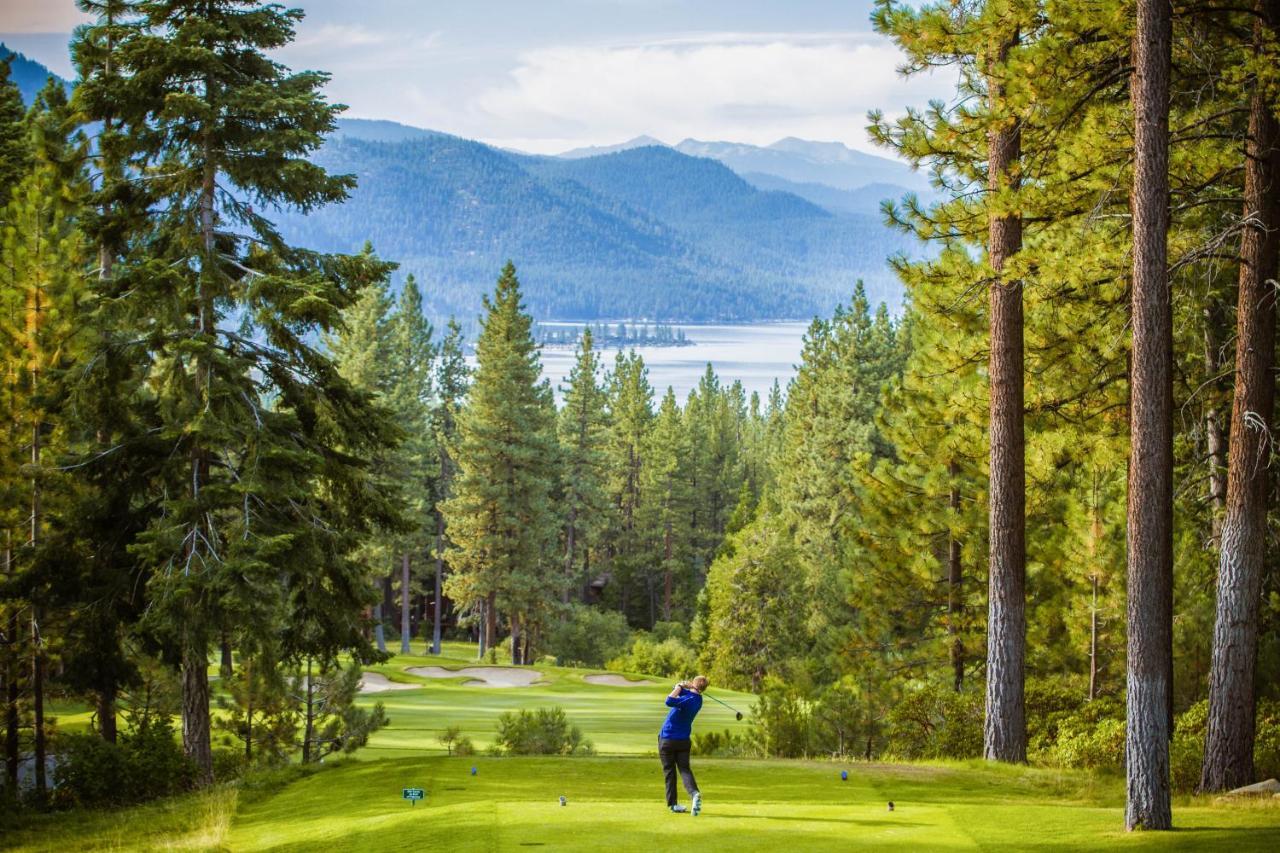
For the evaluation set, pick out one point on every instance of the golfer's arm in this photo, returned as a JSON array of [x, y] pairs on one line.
[[675, 692]]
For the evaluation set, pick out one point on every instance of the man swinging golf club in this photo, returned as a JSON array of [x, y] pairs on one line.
[[685, 700]]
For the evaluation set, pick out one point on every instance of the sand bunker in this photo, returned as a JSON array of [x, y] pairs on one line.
[[376, 682], [482, 676], [613, 680]]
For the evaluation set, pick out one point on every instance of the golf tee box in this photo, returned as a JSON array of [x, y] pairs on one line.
[[413, 795]]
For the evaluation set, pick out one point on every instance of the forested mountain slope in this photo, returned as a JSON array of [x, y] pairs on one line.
[[647, 232]]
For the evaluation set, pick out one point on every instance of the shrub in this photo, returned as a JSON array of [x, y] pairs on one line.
[[228, 764], [464, 746], [545, 731], [726, 744], [588, 636], [782, 721], [669, 658], [934, 721], [147, 763]]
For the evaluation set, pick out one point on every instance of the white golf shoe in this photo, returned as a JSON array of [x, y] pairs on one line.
[[697, 803]]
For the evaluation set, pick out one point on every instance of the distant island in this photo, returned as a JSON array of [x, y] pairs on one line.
[[618, 336]]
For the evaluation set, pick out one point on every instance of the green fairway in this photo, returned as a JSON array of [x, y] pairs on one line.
[[615, 800], [617, 720]]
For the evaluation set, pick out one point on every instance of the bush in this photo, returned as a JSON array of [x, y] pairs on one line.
[[934, 721], [726, 744], [587, 636], [147, 763], [669, 658], [464, 746], [228, 764], [782, 721], [545, 731]]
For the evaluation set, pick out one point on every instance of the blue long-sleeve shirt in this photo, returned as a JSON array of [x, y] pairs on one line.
[[679, 722]]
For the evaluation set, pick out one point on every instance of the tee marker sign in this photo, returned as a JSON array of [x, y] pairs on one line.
[[413, 795]]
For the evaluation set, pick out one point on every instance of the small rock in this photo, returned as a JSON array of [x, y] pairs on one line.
[[1259, 789]]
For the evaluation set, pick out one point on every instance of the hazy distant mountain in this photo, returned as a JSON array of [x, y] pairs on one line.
[[597, 150], [379, 130], [829, 163], [863, 200], [28, 74], [647, 232]]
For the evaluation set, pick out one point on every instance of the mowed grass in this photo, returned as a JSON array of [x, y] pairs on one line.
[[617, 720], [617, 804]]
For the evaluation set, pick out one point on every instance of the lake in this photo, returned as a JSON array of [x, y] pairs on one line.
[[754, 354]]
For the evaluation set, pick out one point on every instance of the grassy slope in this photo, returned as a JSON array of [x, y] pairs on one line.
[[616, 802], [618, 720]]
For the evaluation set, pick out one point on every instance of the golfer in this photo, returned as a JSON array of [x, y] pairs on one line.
[[673, 741]]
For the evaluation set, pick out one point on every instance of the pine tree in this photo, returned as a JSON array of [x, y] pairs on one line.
[[14, 144], [411, 361], [581, 431], [1229, 739], [451, 389], [42, 292], [630, 412], [500, 520], [667, 516], [253, 414], [1150, 523]]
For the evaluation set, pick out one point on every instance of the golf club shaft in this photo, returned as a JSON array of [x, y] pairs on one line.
[[726, 704]]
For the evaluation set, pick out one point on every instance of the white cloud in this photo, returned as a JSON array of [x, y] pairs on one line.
[[744, 87], [40, 16]]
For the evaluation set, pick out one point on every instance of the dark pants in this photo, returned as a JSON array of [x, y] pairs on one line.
[[675, 755]]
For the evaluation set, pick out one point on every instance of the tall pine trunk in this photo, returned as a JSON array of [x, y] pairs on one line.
[[570, 552], [406, 630], [437, 609], [1150, 487], [12, 719], [955, 588], [1005, 728], [195, 707], [1228, 752], [490, 622]]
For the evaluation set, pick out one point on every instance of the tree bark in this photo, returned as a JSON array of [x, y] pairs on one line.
[[309, 725], [490, 621], [1228, 753], [379, 633], [37, 701], [195, 708], [516, 660], [406, 629], [955, 589], [226, 667], [1005, 729], [107, 713], [570, 545], [1093, 641], [1215, 439], [437, 610], [12, 718], [1150, 485]]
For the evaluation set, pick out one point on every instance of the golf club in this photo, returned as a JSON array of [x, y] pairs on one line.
[[736, 712]]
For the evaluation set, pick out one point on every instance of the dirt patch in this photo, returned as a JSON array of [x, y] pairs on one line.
[[610, 679], [376, 682], [482, 676]]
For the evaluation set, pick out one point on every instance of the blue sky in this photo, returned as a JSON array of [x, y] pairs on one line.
[[547, 75]]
